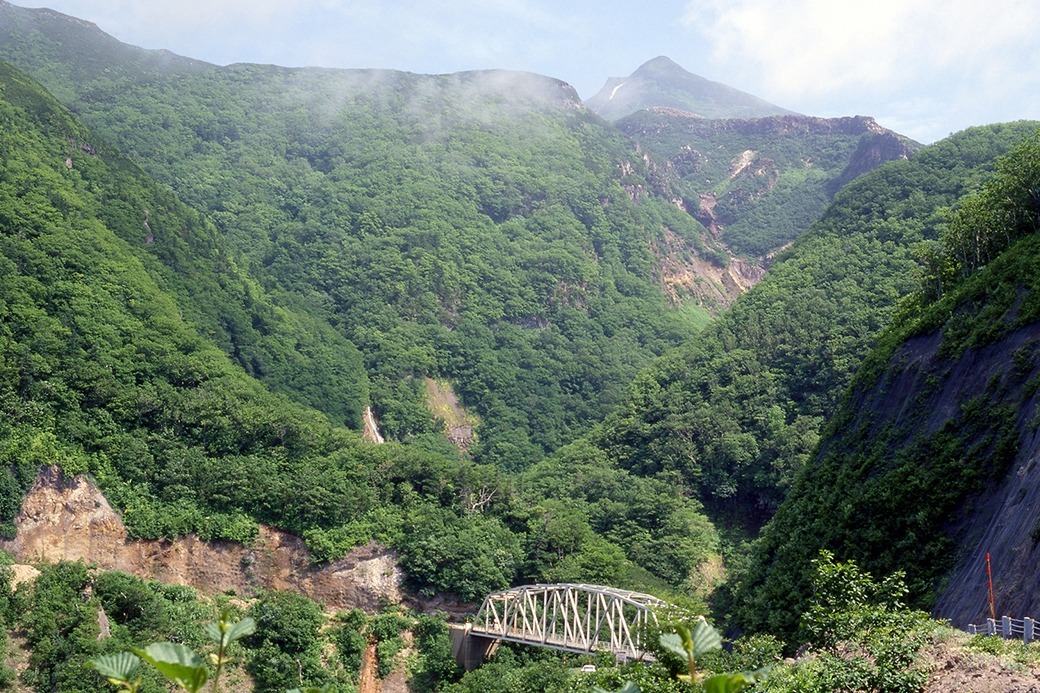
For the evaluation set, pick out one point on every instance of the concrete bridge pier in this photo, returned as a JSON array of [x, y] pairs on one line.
[[470, 649]]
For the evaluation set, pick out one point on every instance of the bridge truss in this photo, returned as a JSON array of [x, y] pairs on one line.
[[569, 617]]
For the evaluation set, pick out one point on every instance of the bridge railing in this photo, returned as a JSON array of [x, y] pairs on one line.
[[1007, 627]]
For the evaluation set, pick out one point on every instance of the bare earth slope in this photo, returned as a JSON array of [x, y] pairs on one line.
[[69, 519], [925, 390]]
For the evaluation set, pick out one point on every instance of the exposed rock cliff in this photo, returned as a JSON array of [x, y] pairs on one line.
[[685, 275], [873, 151], [69, 519]]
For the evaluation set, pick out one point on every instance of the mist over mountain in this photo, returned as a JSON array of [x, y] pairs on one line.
[[482, 227], [662, 84]]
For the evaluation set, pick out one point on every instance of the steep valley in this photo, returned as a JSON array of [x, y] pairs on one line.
[[393, 342]]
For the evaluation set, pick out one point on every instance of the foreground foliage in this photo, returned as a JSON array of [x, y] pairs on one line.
[[72, 615], [176, 662]]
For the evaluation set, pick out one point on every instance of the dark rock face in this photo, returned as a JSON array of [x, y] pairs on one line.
[[920, 394], [873, 151]]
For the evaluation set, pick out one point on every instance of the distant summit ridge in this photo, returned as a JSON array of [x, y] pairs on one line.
[[661, 83]]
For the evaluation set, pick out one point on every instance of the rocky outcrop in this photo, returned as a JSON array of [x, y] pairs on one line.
[[770, 125], [685, 275], [69, 519], [873, 151]]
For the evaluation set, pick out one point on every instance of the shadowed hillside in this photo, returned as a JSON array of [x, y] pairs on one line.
[[929, 462]]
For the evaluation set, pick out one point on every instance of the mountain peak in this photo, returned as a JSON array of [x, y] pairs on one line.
[[663, 83], [659, 64]]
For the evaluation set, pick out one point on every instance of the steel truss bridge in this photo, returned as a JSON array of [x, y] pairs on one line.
[[569, 617]]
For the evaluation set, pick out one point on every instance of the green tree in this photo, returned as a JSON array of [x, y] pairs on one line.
[[286, 647]]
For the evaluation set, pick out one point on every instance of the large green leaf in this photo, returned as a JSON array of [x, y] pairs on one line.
[[240, 629], [116, 667], [733, 683], [726, 683], [686, 643], [705, 638], [177, 663], [674, 643], [224, 633]]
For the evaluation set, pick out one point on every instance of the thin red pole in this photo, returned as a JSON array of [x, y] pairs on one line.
[[989, 576]]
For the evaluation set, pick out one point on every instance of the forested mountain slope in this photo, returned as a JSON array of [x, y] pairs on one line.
[[929, 462], [737, 412], [483, 227], [185, 252], [102, 371], [102, 368]]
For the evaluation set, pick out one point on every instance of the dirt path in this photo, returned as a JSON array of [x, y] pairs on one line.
[[368, 681], [957, 670]]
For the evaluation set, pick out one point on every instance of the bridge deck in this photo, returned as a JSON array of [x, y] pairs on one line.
[[559, 643]]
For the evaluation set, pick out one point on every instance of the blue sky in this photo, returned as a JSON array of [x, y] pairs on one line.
[[924, 68]]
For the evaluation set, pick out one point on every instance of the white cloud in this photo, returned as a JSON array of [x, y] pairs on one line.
[[812, 47], [922, 67]]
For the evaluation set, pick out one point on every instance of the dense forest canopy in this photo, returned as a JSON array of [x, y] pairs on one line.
[[481, 227], [104, 372]]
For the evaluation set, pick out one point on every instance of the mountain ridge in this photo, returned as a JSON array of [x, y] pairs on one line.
[[661, 83]]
